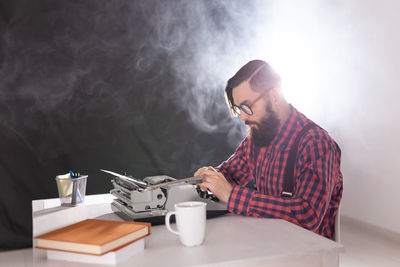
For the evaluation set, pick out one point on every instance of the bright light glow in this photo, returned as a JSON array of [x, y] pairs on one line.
[[297, 46]]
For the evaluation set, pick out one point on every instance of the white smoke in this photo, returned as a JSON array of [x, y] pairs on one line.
[[207, 41]]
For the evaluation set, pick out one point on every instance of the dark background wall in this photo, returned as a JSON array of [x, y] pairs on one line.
[[128, 86]]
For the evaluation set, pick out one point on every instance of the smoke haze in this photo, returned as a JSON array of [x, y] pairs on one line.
[[130, 86]]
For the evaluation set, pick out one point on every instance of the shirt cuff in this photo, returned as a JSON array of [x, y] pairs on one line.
[[239, 200]]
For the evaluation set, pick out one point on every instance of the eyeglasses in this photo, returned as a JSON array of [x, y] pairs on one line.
[[247, 108]]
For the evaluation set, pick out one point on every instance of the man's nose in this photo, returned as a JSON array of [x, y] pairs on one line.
[[243, 116]]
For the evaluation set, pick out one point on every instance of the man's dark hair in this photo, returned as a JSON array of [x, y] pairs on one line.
[[261, 78]]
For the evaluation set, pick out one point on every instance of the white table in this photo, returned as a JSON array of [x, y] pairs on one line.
[[230, 241]]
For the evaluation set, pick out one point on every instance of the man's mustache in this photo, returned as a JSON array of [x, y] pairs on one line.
[[251, 123]]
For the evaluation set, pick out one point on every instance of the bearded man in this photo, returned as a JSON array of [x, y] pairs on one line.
[[292, 163]]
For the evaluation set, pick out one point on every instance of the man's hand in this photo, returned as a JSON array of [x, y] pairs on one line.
[[215, 182]]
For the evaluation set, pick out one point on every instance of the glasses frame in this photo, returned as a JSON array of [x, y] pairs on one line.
[[246, 108]]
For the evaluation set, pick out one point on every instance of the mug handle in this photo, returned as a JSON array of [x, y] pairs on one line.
[[167, 218]]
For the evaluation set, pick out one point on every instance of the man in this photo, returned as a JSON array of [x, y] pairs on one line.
[[305, 188]]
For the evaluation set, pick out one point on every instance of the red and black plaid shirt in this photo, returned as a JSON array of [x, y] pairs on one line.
[[318, 182]]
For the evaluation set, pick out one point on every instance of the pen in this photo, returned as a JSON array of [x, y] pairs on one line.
[[73, 189]]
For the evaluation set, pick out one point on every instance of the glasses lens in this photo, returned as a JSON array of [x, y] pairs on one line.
[[246, 109]]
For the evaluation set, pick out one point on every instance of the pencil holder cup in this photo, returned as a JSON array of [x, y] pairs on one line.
[[71, 190]]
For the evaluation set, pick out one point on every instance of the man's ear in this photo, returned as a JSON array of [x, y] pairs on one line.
[[275, 96]]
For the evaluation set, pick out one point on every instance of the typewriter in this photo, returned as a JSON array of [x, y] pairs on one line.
[[149, 199]]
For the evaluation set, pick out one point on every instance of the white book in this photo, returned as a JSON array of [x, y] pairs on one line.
[[112, 257]]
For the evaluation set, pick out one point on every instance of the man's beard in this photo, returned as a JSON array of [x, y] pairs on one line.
[[267, 129]]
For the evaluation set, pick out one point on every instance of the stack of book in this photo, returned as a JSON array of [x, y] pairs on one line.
[[95, 241]]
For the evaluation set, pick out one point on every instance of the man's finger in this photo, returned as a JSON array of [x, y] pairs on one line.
[[209, 178], [202, 187], [200, 171], [208, 186], [211, 168], [209, 173]]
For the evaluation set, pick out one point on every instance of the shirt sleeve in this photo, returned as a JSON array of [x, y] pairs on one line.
[[315, 171], [236, 169]]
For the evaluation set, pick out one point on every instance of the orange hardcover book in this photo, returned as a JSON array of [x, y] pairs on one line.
[[93, 236]]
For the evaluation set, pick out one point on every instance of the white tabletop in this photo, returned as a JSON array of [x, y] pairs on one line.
[[231, 240]]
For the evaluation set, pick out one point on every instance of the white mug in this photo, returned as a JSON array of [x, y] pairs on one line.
[[190, 220]]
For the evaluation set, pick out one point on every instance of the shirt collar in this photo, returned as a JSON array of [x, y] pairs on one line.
[[292, 125]]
